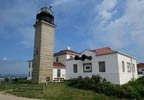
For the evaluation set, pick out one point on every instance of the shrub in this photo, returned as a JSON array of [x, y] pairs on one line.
[[96, 79], [15, 80], [140, 80], [131, 90], [74, 81], [6, 80]]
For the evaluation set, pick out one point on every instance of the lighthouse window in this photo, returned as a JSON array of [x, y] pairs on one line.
[[36, 51]]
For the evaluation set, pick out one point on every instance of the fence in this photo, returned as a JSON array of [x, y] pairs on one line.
[[31, 88]]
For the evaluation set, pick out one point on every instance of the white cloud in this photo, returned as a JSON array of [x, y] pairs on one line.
[[17, 14], [4, 59], [60, 2], [124, 32], [105, 9], [107, 5], [130, 25], [13, 67], [20, 17], [27, 35], [105, 15]]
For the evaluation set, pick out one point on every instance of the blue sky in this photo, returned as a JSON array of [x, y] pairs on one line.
[[81, 24]]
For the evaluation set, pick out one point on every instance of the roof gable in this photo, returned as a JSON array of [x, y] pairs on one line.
[[87, 52]]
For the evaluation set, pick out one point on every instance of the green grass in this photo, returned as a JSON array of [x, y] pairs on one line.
[[60, 91], [9, 86]]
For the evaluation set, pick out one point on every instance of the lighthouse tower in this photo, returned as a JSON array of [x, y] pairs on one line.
[[43, 46]]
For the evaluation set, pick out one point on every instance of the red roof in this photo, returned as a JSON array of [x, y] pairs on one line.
[[62, 52], [140, 65], [57, 64], [102, 51]]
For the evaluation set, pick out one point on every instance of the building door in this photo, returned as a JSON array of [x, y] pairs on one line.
[[58, 73]]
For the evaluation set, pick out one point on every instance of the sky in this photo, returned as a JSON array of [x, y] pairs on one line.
[[80, 24]]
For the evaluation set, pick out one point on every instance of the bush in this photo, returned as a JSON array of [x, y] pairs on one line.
[[15, 80], [131, 90], [140, 80], [6, 80], [96, 79]]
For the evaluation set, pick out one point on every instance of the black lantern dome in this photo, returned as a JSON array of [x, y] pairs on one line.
[[46, 15]]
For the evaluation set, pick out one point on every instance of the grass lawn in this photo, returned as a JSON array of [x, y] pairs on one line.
[[60, 91]]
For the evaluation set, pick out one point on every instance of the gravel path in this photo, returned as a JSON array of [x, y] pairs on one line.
[[4, 96]]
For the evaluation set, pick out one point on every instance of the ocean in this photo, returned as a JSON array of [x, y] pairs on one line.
[[13, 75]]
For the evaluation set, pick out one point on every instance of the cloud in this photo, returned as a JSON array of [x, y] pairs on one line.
[[4, 59], [105, 15], [123, 32], [19, 18], [105, 8], [27, 36], [130, 25], [60, 2], [13, 67]]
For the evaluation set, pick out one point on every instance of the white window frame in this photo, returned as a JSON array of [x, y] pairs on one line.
[[75, 68], [104, 66], [128, 66], [87, 67], [123, 66]]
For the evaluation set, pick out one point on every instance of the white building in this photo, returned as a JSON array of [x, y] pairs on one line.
[[140, 69], [59, 64], [29, 77], [59, 70], [115, 66]]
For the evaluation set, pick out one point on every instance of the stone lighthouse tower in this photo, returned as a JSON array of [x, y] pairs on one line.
[[43, 46]]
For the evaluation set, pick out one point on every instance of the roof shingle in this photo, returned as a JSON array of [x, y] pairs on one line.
[[140, 65], [62, 52], [57, 64], [101, 51]]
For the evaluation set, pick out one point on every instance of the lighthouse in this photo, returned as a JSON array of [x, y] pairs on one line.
[[43, 46]]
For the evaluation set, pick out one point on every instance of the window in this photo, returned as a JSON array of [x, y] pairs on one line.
[[87, 67], [140, 72], [75, 68], [29, 64], [134, 68], [58, 73], [35, 51], [128, 67], [29, 74], [142, 69], [71, 56], [102, 66], [123, 66], [57, 60]]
